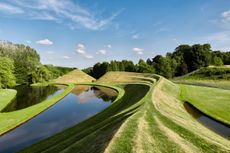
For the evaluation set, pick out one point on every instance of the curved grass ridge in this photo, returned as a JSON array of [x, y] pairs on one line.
[[149, 117], [11, 120]]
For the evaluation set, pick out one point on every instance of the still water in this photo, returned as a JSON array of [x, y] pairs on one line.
[[217, 127], [28, 96], [82, 103]]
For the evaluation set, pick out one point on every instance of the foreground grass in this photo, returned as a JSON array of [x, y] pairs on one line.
[[10, 120], [146, 117], [211, 101]]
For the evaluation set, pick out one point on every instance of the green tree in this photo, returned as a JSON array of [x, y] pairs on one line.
[[217, 61], [143, 67], [162, 66], [7, 78]]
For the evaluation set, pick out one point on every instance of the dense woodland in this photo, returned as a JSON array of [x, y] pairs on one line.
[[20, 64], [183, 60]]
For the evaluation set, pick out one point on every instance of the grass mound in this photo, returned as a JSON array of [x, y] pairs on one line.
[[75, 76], [147, 116], [211, 73], [218, 77]]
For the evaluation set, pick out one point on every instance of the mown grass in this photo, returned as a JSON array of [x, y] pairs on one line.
[[6, 96], [146, 117], [223, 84], [208, 73], [92, 135], [10, 120], [217, 77], [75, 76], [211, 101], [203, 89]]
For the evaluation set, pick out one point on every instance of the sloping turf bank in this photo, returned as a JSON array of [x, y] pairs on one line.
[[213, 102], [10, 120], [149, 117]]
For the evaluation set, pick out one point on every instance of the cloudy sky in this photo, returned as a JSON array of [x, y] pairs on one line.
[[80, 33]]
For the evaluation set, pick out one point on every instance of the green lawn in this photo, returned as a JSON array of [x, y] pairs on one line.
[[6, 95], [212, 101]]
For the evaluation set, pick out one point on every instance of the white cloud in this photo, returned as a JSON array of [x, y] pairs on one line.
[[44, 42], [219, 40], [88, 56], [102, 52], [66, 57], [225, 20], [135, 36], [61, 11], [81, 46], [109, 46], [81, 49], [28, 41], [220, 36], [10, 9], [138, 51], [226, 14]]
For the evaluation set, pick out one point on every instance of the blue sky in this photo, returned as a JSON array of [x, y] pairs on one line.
[[80, 33]]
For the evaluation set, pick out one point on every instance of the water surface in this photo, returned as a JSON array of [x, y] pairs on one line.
[[216, 126], [30, 95], [82, 103]]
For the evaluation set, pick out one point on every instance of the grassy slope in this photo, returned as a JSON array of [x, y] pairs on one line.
[[11, 120], [147, 118], [75, 76], [212, 101], [6, 95], [217, 77]]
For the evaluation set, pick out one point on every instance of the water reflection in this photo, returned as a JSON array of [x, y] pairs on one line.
[[219, 128], [28, 96], [66, 113]]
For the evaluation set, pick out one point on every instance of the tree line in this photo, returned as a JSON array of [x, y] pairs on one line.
[[20, 64], [184, 59]]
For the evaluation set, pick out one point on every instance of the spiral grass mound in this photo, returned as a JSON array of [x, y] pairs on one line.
[[147, 116]]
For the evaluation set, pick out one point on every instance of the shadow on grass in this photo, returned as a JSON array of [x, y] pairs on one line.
[[94, 134]]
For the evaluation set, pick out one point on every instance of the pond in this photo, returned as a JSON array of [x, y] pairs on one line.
[[82, 103], [212, 124], [31, 95]]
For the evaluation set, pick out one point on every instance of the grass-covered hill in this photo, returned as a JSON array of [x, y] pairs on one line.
[[211, 76], [147, 116], [211, 73], [75, 76]]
